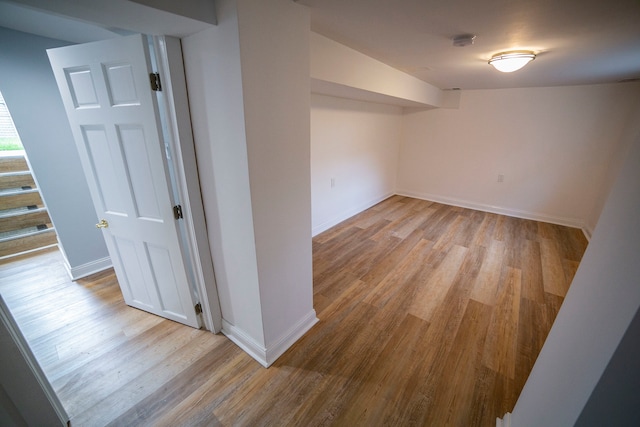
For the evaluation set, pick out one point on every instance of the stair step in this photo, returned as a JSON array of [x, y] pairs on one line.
[[19, 199], [25, 225], [29, 242], [24, 219], [16, 180], [13, 163]]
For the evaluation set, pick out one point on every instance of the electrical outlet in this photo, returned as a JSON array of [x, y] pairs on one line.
[[333, 182], [500, 178]]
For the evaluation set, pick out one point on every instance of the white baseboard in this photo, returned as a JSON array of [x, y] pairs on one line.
[[266, 356], [504, 421], [245, 342], [291, 336], [348, 214], [535, 216], [89, 268]]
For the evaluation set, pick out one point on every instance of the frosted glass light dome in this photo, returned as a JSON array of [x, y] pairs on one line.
[[511, 61]]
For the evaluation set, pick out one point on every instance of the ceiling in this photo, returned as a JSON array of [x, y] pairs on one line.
[[30, 20], [577, 41], [76, 20]]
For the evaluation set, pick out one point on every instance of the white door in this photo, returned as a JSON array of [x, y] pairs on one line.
[[114, 117]]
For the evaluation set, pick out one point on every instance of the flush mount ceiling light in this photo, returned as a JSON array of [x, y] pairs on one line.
[[508, 62]]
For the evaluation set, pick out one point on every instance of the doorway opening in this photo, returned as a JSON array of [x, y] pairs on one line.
[[25, 225]]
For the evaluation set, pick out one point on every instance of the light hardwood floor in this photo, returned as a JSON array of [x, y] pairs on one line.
[[429, 315]]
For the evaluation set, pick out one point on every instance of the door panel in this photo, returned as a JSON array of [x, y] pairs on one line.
[[80, 82], [139, 174], [102, 167], [131, 265], [114, 117], [121, 85], [165, 277]]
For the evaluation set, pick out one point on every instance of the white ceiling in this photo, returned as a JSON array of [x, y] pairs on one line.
[[577, 41], [29, 20], [81, 21]]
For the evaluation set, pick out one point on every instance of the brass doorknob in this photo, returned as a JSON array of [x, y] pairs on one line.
[[102, 224]]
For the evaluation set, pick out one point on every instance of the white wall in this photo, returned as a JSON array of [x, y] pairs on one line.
[[250, 117], [356, 144], [274, 49], [28, 85], [214, 81], [616, 399], [598, 309], [629, 133], [26, 397], [553, 146]]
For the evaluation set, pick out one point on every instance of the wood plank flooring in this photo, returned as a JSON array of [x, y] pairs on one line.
[[430, 315]]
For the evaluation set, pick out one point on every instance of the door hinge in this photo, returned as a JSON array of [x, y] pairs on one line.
[[156, 86], [198, 308], [177, 212]]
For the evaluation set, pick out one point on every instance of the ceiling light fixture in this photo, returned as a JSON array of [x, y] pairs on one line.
[[508, 62]]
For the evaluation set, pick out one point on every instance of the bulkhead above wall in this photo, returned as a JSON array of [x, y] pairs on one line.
[[340, 71], [93, 20]]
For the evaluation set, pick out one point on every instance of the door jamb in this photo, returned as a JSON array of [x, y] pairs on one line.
[[168, 53]]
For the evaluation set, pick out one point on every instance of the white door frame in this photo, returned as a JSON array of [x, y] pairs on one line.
[[174, 102]]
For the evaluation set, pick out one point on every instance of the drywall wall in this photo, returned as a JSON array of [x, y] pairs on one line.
[[199, 10], [552, 145], [338, 70], [630, 131], [217, 116], [26, 396], [250, 118], [603, 299], [616, 399], [354, 157], [28, 85], [274, 50]]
